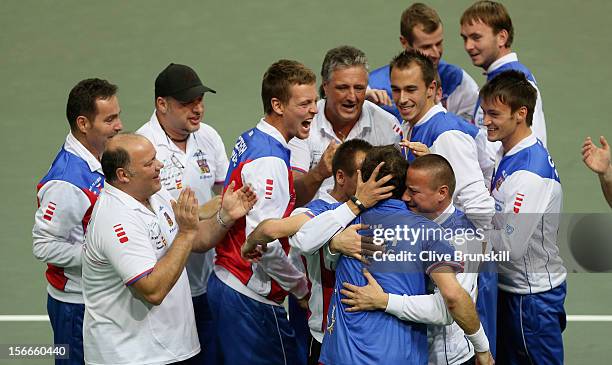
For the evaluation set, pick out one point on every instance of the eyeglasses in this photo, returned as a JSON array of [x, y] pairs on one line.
[[176, 162]]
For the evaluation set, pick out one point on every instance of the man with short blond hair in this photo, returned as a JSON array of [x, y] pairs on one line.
[[487, 32], [421, 29], [256, 291]]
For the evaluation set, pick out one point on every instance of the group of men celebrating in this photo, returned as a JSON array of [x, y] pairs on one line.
[[133, 225]]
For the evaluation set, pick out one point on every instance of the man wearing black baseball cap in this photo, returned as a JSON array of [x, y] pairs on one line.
[[194, 156]]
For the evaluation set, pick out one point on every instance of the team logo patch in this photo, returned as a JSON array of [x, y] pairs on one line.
[[499, 182], [49, 211], [269, 187], [123, 238], [202, 163], [518, 202], [168, 219], [204, 166], [509, 229]]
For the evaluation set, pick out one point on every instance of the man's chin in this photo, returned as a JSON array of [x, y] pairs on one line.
[[302, 135]]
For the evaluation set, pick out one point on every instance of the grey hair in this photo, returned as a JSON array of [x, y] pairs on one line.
[[342, 57]]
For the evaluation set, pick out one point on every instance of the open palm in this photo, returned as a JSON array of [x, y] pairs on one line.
[[596, 158], [238, 203]]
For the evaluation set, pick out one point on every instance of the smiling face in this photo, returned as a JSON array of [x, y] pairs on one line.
[[345, 94], [298, 111], [482, 45], [503, 124], [104, 126], [410, 93], [428, 44], [143, 169]]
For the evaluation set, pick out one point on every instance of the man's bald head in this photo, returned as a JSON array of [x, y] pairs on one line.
[[118, 151]]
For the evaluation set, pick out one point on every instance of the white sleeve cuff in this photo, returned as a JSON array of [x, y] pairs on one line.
[[320, 229], [344, 214], [394, 305]]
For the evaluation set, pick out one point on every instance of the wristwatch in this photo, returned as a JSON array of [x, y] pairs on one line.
[[358, 203]]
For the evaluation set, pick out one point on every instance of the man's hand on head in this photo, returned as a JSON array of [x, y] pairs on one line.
[[373, 191]]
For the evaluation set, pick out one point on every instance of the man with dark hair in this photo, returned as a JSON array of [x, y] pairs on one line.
[[369, 337], [66, 196], [256, 291], [316, 258], [344, 114], [315, 241], [421, 29], [194, 156], [430, 183], [137, 299], [528, 200], [487, 32], [413, 86]]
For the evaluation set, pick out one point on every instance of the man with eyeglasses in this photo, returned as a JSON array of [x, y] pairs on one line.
[[194, 156]]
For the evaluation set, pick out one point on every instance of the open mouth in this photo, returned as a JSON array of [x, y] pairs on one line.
[[306, 124], [349, 107]]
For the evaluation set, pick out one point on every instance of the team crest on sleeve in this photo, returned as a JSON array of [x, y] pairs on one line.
[[269, 188], [49, 211], [123, 238], [518, 202]]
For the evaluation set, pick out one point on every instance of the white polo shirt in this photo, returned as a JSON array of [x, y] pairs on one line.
[[375, 125], [123, 243], [203, 165]]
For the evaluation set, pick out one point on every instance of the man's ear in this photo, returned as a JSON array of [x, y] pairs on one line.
[[502, 38], [432, 89], [324, 87], [404, 42], [340, 177], [123, 175], [161, 104], [443, 191], [277, 106], [521, 114], [83, 124]]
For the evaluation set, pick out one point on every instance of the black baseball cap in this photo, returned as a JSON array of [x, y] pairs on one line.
[[180, 82]]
